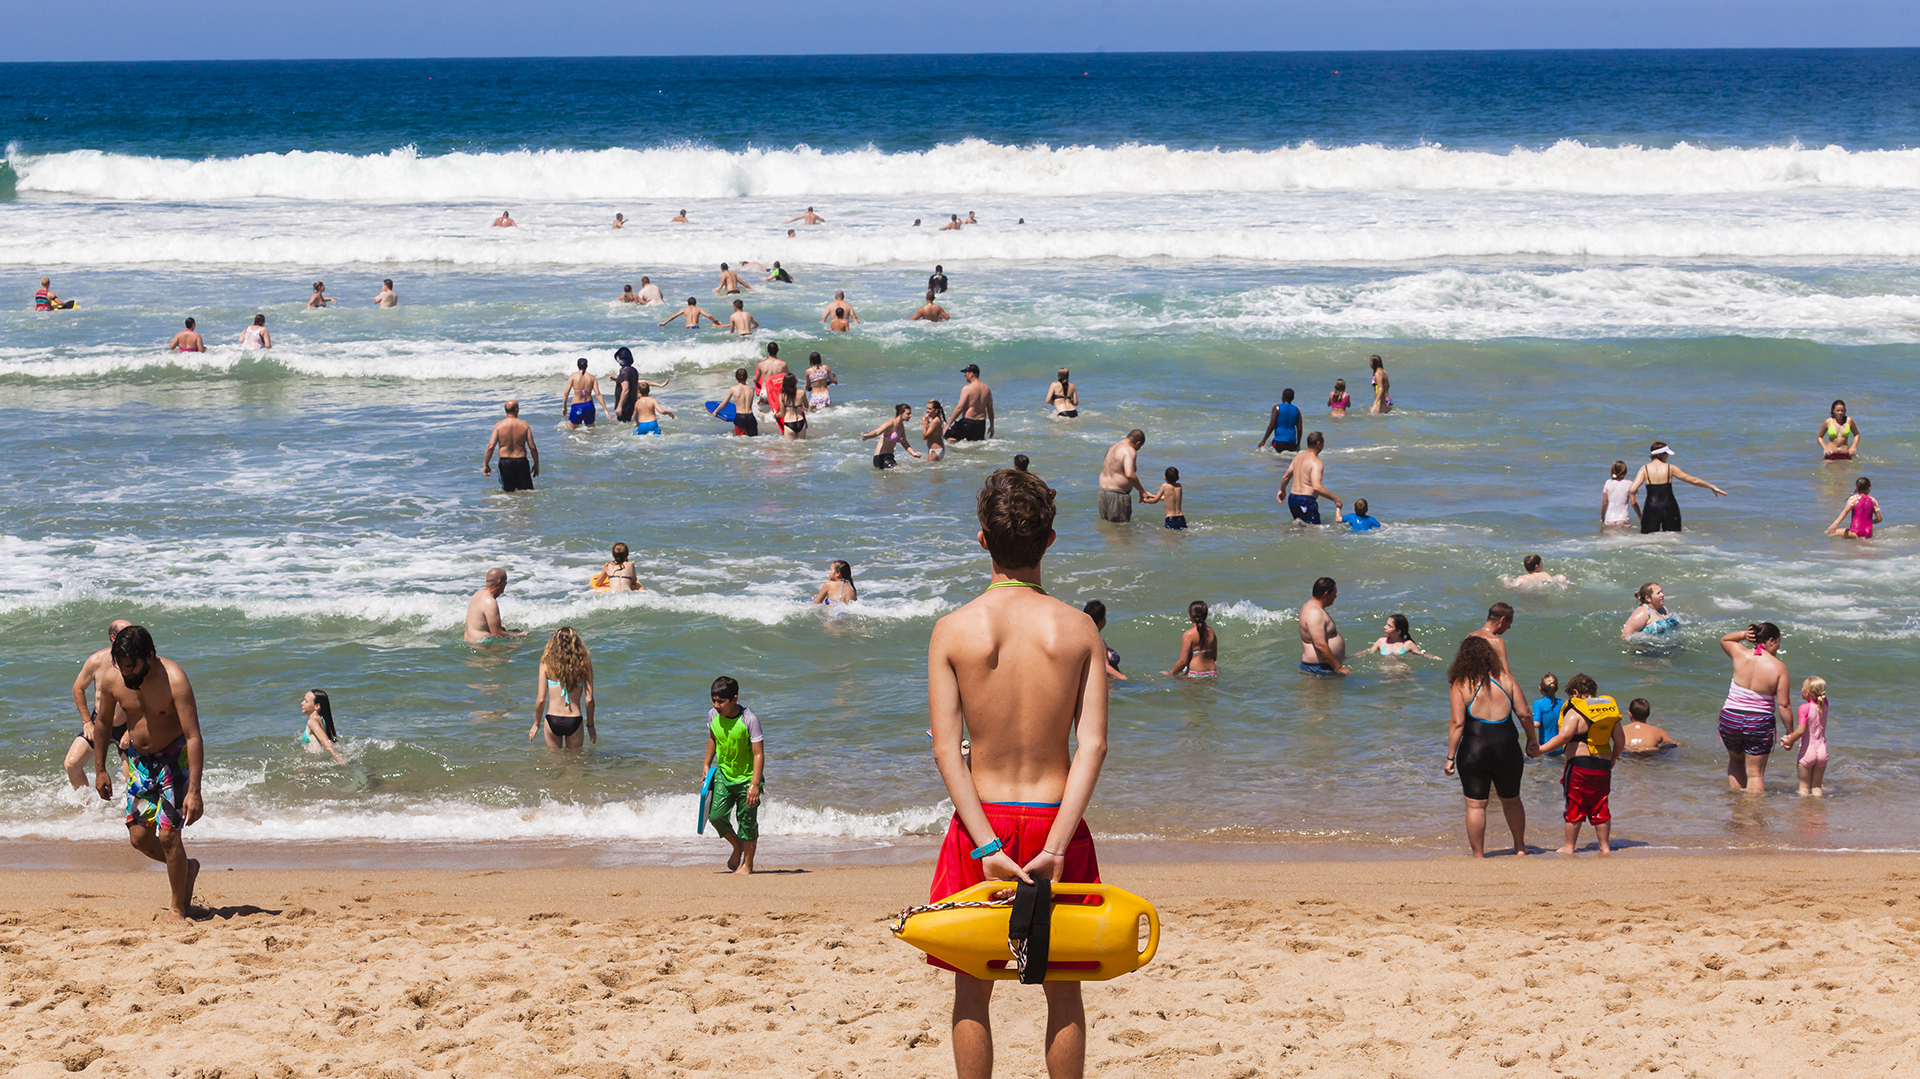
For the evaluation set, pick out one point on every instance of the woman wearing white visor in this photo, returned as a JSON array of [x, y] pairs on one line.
[[1660, 513]]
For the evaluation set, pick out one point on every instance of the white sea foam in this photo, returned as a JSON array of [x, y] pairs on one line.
[[972, 167]]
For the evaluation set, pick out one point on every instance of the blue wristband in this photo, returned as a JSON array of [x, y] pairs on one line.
[[991, 848]]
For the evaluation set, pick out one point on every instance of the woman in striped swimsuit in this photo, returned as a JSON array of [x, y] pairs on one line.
[[1756, 695]]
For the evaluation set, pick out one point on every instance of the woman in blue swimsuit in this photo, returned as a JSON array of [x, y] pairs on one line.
[[1652, 615], [317, 709]]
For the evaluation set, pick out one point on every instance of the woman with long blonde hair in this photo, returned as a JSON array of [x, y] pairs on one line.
[[563, 699]]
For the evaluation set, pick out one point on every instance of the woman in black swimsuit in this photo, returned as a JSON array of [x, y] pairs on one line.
[[564, 697], [1483, 744], [1661, 513]]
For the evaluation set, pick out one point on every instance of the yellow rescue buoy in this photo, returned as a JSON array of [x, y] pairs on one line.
[[1091, 941], [598, 582]]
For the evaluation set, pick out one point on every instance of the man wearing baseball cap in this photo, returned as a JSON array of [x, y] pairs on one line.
[[973, 415]]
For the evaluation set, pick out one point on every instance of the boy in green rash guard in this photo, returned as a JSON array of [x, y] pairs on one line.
[[735, 743]]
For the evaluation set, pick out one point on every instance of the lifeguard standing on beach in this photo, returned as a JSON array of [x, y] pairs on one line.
[[1020, 672]]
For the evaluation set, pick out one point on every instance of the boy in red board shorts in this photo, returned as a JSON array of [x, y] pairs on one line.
[[1590, 725], [1020, 673]]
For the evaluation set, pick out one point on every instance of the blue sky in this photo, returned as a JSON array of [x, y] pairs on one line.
[[240, 29]]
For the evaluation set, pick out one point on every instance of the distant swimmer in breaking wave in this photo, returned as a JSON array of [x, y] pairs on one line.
[[387, 297], [809, 217], [839, 315], [256, 335], [649, 292], [730, 282], [953, 223], [504, 221], [679, 219], [1535, 574], [694, 313], [187, 340], [937, 282], [320, 297], [619, 221], [839, 587], [930, 311]]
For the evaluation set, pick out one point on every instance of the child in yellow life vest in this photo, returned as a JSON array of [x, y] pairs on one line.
[[737, 748], [1590, 728]]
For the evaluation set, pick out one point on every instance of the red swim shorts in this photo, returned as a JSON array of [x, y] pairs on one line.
[[1023, 832], [1587, 789]]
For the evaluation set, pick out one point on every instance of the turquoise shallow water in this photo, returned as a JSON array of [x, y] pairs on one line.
[[316, 517]]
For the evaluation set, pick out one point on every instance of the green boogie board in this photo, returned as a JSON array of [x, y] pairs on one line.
[[706, 798]]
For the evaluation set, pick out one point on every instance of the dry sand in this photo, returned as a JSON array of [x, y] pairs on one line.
[[1683, 966]]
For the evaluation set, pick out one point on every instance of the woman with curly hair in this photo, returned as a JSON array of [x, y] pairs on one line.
[[563, 699], [1482, 743]]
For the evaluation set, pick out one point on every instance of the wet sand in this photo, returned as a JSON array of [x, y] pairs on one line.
[[1711, 966]]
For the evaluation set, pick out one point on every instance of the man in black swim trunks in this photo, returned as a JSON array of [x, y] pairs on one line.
[[1283, 425], [90, 672], [973, 413], [514, 439]]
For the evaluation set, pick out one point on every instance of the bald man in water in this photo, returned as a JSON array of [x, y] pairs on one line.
[[483, 610], [514, 439]]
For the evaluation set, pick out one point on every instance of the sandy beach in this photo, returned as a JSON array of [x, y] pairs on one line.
[[1691, 966]]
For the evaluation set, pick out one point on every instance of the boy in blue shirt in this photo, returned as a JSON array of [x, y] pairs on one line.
[[1358, 519], [736, 746], [1546, 712]]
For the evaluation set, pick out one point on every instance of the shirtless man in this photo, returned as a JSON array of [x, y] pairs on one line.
[[953, 223], [152, 698], [930, 311], [387, 297], [483, 610], [809, 217], [90, 674], [504, 221], [741, 398], [583, 389], [187, 340], [1300, 486], [693, 313], [1322, 649], [839, 315], [730, 282], [973, 412], [1120, 478], [1499, 621], [768, 375], [1018, 672], [320, 297], [679, 219], [619, 221], [649, 292], [972, 220], [740, 323], [514, 439]]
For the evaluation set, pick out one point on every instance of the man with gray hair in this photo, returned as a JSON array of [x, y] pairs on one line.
[[1120, 478]]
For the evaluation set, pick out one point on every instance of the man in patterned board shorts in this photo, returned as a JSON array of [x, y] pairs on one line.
[[164, 754], [1016, 670]]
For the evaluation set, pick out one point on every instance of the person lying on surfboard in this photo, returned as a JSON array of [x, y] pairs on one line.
[[1018, 671]]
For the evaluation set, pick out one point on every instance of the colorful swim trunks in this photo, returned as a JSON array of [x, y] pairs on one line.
[[157, 787], [1748, 733]]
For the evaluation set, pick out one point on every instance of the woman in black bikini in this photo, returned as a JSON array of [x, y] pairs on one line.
[[1483, 744], [793, 410], [564, 697]]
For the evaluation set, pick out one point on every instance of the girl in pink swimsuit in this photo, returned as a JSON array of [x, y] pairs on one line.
[[1863, 507], [1811, 733]]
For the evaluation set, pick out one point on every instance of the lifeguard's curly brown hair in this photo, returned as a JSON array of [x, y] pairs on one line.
[[1016, 515], [567, 660]]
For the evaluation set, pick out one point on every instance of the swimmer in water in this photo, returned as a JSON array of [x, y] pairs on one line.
[[1811, 732], [730, 282], [187, 340], [1839, 435], [741, 323], [1616, 498], [387, 297], [647, 411], [627, 296], [1398, 640], [619, 571], [1661, 513], [809, 217], [892, 434], [1063, 397], [563, 695], [1322, 650], [1020, 462], [819, 378], [1097, 611], [319, 735], [839, 587], [1382, 400], [504, 221], [320, 297], [1339, 400], [578, 399], [930, 311], [693, 313], [933, 429], [1863, 508], [679, 218], [649, 292], [1642, 738], [1172, 499], [1652, 615], [1535, 574], [953, 223], [619, 221], [1199, 645], [839, 315], [256, 335], [791, 409]]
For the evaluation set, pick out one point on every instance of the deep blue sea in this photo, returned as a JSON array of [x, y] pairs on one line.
[[1560, 255]]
